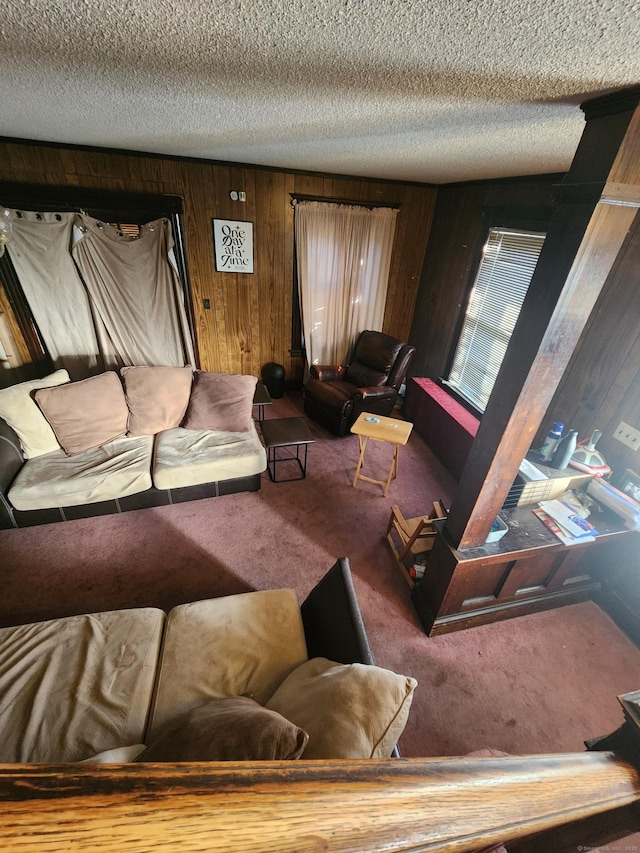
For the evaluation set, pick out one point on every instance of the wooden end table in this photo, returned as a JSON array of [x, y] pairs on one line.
[[380, 429]]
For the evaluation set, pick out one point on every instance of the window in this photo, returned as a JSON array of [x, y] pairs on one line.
[[509, 258], [343, 254]]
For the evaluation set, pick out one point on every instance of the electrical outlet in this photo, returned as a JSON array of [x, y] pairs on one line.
[[628, 435]]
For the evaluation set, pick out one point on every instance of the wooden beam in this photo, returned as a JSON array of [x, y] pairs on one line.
[[452, 804], [597, 204]]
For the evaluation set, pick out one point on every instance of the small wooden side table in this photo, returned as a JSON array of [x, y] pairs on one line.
[[380, 429]]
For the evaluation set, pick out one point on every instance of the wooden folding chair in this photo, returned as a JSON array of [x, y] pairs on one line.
[[414, 535]]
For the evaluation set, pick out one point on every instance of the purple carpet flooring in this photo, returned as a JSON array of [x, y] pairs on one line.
[[534, 684]]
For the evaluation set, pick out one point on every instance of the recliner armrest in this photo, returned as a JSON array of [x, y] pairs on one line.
[[376, 392], [326, 372]]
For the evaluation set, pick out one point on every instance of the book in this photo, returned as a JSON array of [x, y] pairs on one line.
[[555, 528], [568, 519]]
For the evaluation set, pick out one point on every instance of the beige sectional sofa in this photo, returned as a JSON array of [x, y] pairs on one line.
[[145, 437], [107, 686]]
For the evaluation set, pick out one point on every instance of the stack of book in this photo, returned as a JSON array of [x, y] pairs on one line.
[[563, 520], [620, 502]]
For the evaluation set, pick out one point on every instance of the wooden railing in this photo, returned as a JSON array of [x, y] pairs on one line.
[[435, 805]]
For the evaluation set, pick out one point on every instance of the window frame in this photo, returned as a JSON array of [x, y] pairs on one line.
[[533, 221]]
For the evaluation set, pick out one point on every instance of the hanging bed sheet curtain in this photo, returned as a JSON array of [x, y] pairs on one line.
[[40, 253], [135, 289], [101, 299]]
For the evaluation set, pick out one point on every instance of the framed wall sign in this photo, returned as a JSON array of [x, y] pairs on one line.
[[233, 243]]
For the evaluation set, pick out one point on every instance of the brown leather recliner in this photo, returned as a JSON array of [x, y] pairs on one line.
[[335, 396]]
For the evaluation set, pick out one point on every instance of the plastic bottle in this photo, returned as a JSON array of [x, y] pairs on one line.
[[551, 442], [564, 450]]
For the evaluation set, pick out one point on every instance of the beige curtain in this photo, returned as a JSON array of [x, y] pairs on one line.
[[135, 290], [40, 252], [344, 255]]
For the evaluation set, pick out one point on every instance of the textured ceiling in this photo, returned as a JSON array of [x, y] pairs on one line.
[[424, 90]]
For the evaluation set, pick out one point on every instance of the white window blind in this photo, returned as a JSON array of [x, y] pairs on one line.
[[508, 261]]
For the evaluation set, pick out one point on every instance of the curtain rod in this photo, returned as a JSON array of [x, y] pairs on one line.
[[357, 203]]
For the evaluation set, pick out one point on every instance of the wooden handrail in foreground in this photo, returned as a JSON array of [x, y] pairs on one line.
[[435, 805]]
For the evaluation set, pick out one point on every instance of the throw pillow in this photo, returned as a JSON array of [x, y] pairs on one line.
[[221, 401], [22, 414], [85, 414], [157, 397], [349, 710], [235, 729]]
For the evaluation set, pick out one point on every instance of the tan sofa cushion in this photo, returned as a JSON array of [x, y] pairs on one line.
[[74, 687], [349, 710], [113, 470], [21, 412], [237, 645], [185, 457], [157, 397], [86, 414], [235, 729]]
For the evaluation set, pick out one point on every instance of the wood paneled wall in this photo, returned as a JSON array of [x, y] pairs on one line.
[[249, 321]]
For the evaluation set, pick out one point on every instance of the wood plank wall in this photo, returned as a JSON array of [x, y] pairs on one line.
[[249, 321]]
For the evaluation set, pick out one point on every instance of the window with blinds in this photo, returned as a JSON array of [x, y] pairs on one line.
[[509, 258]]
